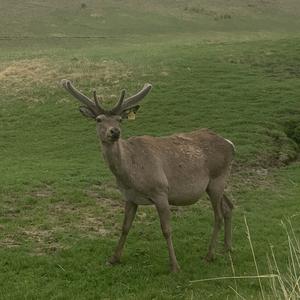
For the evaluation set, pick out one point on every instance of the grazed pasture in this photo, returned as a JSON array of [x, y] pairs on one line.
[[60, 212]]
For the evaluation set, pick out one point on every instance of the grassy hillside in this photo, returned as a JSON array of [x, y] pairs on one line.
[[231, 66], [112, 18]]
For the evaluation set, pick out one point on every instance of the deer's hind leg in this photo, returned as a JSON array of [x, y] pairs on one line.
[[227, 208], [215, 191]]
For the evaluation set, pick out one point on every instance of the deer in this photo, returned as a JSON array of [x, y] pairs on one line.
[[161, 171]]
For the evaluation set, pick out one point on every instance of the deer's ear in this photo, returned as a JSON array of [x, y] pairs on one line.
[[129, 112], [87, 112]]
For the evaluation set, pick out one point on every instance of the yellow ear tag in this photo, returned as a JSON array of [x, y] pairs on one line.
[[131, 116]]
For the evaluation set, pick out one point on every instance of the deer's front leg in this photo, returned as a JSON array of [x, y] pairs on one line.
[[130, 211], [163, 210]]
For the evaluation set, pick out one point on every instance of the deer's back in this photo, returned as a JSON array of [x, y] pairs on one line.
[[184, 162], [200, 148]]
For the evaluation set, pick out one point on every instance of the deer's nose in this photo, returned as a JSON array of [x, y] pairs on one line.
[[115, 132]]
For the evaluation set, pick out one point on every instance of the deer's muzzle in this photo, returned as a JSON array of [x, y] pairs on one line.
[[114, 133]]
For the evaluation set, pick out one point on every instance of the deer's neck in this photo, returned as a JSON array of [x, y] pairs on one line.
[[114, 154]]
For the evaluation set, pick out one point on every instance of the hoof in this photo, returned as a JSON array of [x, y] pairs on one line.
[[227, 250], [175, 269], [113, 261], [209, 258]]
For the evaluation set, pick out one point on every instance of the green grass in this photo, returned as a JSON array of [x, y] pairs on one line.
[[60, 212]]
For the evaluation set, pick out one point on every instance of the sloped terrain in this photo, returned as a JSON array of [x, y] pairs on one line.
[[114, 18]]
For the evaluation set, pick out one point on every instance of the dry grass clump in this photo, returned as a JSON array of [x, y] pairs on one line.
[[9, 241], [64, 219], [105, 75], [23, 79], [23, 74], [85, 221], [287, 283], [44, 240], [20, 78], [282, 284]]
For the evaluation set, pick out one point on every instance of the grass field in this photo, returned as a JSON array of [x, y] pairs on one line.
[[234, 68]]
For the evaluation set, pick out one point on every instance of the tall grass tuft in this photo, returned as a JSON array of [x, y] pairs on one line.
[[283, 283], [287, 283]]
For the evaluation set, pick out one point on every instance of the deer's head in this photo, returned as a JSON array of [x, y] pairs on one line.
[[108, 121]]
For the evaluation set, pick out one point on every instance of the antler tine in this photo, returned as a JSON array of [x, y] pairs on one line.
[[96, 107], [133, 100], [95, 95], [97, 102], [81, 97], [118, 107]]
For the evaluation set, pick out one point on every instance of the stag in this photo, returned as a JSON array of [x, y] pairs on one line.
[[162, 171]]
